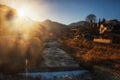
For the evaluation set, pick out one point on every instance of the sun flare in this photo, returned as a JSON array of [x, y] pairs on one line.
[[21, 13]]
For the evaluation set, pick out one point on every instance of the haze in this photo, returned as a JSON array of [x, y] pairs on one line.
[[66, 11]]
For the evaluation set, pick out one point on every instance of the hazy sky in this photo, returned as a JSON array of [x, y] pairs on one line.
[[66, 11]]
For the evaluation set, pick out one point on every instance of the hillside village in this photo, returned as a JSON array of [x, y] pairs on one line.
[[95, 45], [105, 30]]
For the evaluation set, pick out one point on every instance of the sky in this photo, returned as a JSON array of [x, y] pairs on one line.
[[66, 11]]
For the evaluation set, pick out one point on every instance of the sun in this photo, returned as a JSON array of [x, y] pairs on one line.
[[22, 12]]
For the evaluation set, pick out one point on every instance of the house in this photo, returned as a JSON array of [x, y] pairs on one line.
[[108, 32]]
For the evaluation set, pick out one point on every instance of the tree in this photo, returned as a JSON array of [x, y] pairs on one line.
[[99, 21], [104, 20], [91, 18]]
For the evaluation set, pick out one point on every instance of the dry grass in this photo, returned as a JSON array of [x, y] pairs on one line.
[[14, 51], [90, 54], [105, 56], [79, 43], [100, 53]]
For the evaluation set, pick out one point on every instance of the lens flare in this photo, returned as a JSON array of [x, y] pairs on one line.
[[21, 13]]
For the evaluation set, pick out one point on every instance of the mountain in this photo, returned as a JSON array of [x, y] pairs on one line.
[[53, 27], [80, 23]]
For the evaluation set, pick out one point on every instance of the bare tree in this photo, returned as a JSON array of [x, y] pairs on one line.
[[91, 18]]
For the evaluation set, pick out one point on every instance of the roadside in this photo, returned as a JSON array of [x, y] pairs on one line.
[[103, 60]]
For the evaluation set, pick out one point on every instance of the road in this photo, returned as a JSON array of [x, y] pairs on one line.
[[54, 56]]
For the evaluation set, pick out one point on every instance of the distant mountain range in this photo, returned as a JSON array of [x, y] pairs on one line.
[[80, 23], [8, 15], [52, 26]]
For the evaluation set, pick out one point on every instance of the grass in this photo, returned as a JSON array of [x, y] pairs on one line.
[[101, 53], [89, 54], [14, 51]]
